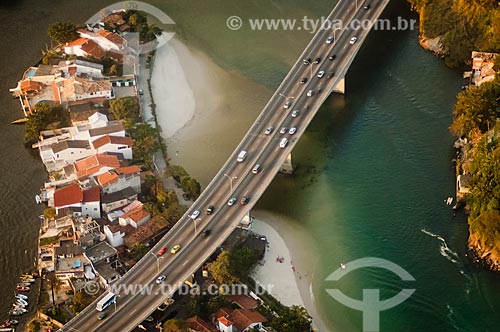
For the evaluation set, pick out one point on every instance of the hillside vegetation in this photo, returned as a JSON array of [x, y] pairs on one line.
[[463, 25]]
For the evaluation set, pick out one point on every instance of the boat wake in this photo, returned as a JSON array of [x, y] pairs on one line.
[[446, 252]]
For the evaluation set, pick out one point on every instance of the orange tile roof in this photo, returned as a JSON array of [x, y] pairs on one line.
[[224, 321], [69, 195], [29, 85], [93, 49], [107, 178], [77, 42], [128, 170], [112, 37], [92, 164], [106, 139]]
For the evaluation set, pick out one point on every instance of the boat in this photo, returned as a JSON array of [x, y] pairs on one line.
[[23, 284], [26, 276], [30, 280], [12, 322], [21, 296], [19, 308], [23, 289], [20, 121], [23, 302], [15, 312]]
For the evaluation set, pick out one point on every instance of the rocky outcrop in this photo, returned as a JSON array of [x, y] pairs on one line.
[[489, 258], [433, 45]]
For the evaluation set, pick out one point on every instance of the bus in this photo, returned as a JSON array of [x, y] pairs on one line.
[[106, 301]]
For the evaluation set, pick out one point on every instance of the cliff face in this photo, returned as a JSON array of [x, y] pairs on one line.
[[433, 45]]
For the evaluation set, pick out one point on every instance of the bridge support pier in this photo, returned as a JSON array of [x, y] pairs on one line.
[[246, 222], [287, 166], [340, 87]]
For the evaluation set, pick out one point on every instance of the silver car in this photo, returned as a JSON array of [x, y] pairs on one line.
[[292, 130], [231, 201]]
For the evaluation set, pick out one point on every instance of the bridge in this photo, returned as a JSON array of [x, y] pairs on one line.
[[236, 179]]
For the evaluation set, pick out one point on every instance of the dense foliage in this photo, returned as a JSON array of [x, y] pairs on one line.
[[465, 25], [146, 143], [231, 266], [43, 117], [475, 117], [62, 32], [126, 108], [292, 319]]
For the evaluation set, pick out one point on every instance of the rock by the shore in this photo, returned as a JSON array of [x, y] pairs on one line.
[[485, 257], [433, 45]]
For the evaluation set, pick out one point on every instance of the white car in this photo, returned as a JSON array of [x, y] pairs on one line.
[[329, 40], [269, 130], [321, 74], [295, 113], [292, 130], [310, 93], [287, 104], [353, 40], [231, 201], [195, 214], [283, 130], [160, 279]]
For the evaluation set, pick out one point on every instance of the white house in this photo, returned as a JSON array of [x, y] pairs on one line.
[[119, 179], [78, 201], [95, 165], [79, 88], [106, 40], [240, 320], [134, 215], [114, 144], [118, 199]]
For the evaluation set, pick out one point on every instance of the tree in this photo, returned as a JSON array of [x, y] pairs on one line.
[[243, 260], [49, 213], [139, 250], [220, 269], [125, 108], [44, 117], [62, 32], [175, 325], [146, 142], [292, 319]]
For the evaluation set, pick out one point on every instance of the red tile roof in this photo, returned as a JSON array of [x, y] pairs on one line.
[[106, 139], [92, 195], [29, 85], [243, 318], [112, 37], [224, 321], [128, 170], [199, 325], [91, 48], [69, 195]]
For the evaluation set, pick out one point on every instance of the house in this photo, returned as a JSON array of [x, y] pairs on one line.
[[69, 261], [95, 165], [84, 47], [134, 215], [106, 40], [115, 234], [80, 113], [197, 324], [240, 320], [65, 152], [114, 144], [102, 257], [114, 128], [78, 201], [116, 200], [119, 179], [80, 88]]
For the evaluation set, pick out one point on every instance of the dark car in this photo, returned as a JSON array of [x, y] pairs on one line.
[[332, 57], [245, 200], [331, 74], [318, 60], [210, 209], [205, 233], [304, 80], [366, 7], [307, 61]]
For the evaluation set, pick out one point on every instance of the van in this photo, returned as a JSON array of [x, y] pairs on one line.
[[256, 169], [242, 156], [284, 142]]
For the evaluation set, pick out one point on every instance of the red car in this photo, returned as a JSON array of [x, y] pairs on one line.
[[162, 251]]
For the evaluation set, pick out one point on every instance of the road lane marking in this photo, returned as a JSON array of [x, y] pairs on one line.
[[185, 262]]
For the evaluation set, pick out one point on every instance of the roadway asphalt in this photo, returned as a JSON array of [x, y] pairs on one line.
[[263, 149]]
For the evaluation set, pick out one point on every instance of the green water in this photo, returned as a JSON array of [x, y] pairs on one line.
[[373, 168]]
